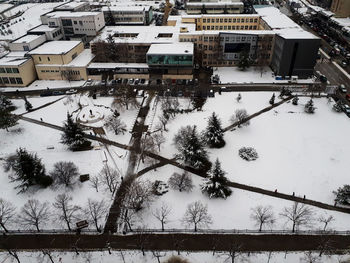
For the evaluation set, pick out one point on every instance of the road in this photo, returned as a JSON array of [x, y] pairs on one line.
[[333, 74], [172, 241]]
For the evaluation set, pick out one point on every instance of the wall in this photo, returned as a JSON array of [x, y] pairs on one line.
[[341, 8], [31, 45], [26, 72]]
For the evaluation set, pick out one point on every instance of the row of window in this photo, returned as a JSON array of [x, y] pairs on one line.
[[230, 20], [6, 80], [9, 70], [48, 71], [59, 32], [48, 59], [229, 27]]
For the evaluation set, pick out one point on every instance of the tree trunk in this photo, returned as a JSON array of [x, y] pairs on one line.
[[3, 226], [325, 226], [293, 230], [195, 227], [37, 227], [162, 225], [96, 225], [261, 224]]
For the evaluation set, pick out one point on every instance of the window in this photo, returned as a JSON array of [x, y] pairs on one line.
[[229, 27], [204, 27], [220, 27], [230, 20], [204, 20], [234, 20], [245, 27], [225, 27], [25, 48], [225, 20], [74, 55], [242, 27], [8, 70], [75, 22], [213, 20], [2, 70], [238, 20], [217, 20], [48, 58], [255, 20], [221, 20], [5, 80], [39, 58], [15, 70], [1, 81], [212, 27], [12, 80], [216, 27], [251, 20]]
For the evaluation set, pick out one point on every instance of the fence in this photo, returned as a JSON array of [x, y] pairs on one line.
[[48, 232]]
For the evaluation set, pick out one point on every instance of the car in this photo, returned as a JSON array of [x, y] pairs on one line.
[[180, 93], [57, 93], [125, 81], [346, 109], [103, 82], [142, 81], [137, 81], [119, 81], [130, 81], [113, 82], [348, 97], [342, 88], [323, 78], [46, 94], [344, 63], [71, 91]]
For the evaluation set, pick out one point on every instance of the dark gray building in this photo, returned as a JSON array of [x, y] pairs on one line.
[[295, 54]]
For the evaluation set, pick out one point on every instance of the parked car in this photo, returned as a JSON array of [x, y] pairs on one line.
[[142, 81], [346, 109], [323, 78], [119, 81], [46, 94], [342, 88], [57, 93], [131, 82], [125, 81], [71, 91], [348, 97], [113, 82], [344, 64], [137, 81]]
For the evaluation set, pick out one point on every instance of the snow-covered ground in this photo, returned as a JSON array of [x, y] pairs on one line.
[[51, 84], [36, 138], [133, 256], [3, 7], [233, 75], [31, 15], [298, 152]]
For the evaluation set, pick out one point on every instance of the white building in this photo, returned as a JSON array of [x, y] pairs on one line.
[[51, 33], [27, 42], [136, 15], [75, 23]]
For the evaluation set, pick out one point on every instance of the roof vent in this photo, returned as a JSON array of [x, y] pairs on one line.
[[186, 51]]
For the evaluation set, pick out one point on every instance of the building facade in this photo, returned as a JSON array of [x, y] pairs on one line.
[[341, 8], [124, 15], [234, 7]]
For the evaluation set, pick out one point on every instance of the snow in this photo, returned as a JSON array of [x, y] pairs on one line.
[[232, 75], [4, 6], [26, 39], [55, 47], [298, 152], [44, 84], [63, 14], [32, 13], [82, 60], [171, 49], [135, 256], [13, 61], [117, 65]]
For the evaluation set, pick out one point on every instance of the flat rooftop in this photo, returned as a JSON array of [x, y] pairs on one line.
[[43, 28], [13, 61], [237, 3], [26, 39], [108, 65], [58, 14], [171, 49], [121, 8], [54, 48], [71, 5]]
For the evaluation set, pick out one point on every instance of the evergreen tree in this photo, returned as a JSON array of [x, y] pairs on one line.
[[309, 107], [239, 97], [73, 135], [214, 135], [216, 183], [295, 100], [191, 148], [27, 170], [7, 119], [337, 106], [110, 21], [244, 60], [27, 104], [272, 100], [6, 104], [343, 195]]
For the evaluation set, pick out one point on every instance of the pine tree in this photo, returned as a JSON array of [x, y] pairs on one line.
[[27, 104], [272, 100], [27, 170], [244, 60], [7, 119], [309, 107], [343, 195], [73, 135], [191, 149], [6, 104], [216, 183], [295, 100], [337, 106], [214, 135]]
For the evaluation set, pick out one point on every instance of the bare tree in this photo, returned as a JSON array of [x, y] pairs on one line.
[[47, 253], [113, 123], [240, 118], [65, 173], [269, 256], [262, 215], [110, 178], [325, 220], [181, 182], [14, 254], [309, 257], [158, 255], [147, 145], [139, 194], [34, 213], [158, 139], [197, 215], [96, 210], [7, 212], [125, 98], [234, 251], [129, 217], [66, 212], [299, 214], [95, 182], [164, 118], [162, 214]]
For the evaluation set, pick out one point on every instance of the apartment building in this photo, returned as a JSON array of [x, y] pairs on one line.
[[75, 23], [61, 60], [129, 15], [16, 71], [51, 33], [73, 7]]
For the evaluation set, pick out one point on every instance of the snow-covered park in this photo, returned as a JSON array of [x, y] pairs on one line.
[[298, 152]]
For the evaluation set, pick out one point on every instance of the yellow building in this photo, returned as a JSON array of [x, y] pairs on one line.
[[61, 60], [341, 8], [16, 71]]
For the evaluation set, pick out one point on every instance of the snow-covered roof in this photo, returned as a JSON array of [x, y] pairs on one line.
[[274, 18], [117, 65], [189, 4], [26, 39], [121, 8], [55, 47], [171, 49], [295, 33], [43, 28], [345, 22], [17, 54], [83, 59], [59, 14], [141, 34], [71, 5], [13, 61], [213, 15], [216, 32]]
